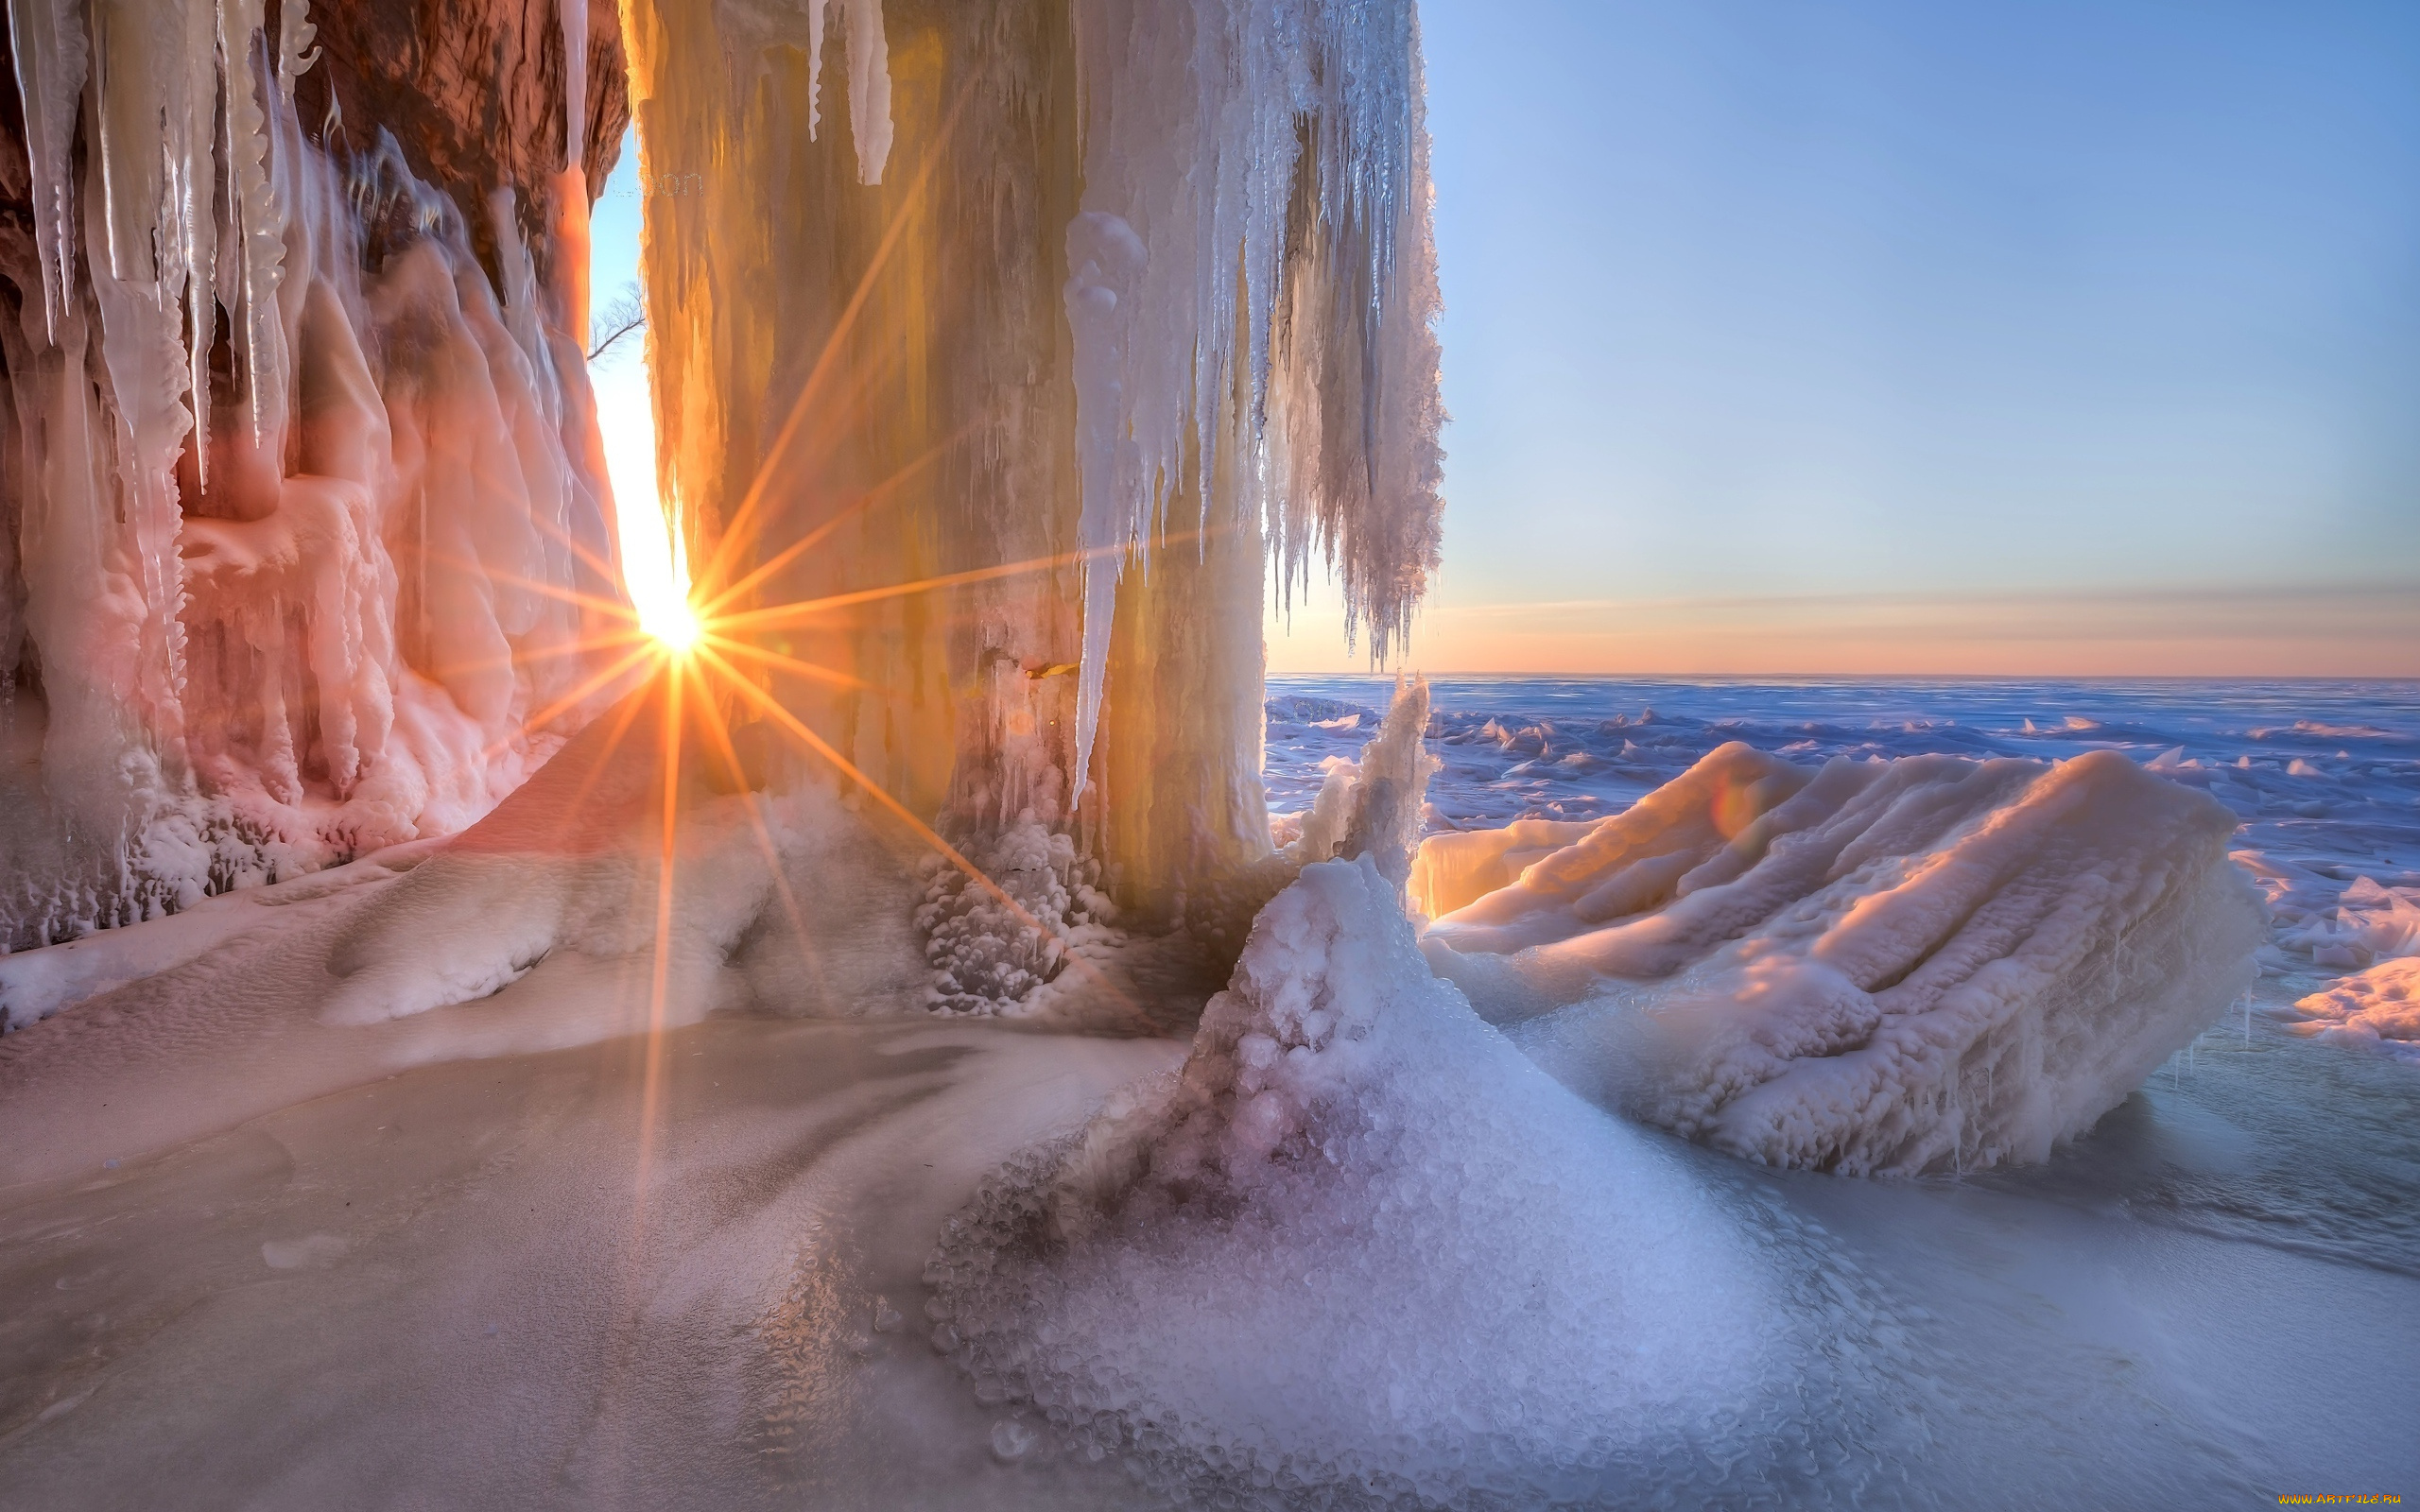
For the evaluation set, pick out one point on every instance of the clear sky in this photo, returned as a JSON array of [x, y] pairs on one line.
[[1874, 336], [1911, 335]]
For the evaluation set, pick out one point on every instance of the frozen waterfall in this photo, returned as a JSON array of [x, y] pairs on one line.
[[1097, 310], [299, 498]]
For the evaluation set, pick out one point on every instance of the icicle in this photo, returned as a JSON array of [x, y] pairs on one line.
[[300, 728], [48, 37], [255, 217], [1105, 263], [814, 67], [294, 34], [1271, 162], [869, 82], [154, 92], [869, 89], [194, 180]]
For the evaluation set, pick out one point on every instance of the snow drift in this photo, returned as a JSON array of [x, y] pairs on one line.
[[1359, 1251], [1930, 963]]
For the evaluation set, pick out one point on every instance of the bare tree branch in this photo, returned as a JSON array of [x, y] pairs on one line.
[[624, 314]]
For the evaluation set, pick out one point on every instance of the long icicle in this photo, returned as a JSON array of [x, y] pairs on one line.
[[48, 37]]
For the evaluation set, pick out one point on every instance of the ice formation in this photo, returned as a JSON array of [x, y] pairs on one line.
[[2362, 933], [1091, 309], [2362, 922], [298, 482], [2378, 1004], [1359, 1251], [535, 930], [1923, 963]]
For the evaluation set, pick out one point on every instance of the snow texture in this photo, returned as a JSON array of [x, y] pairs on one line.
[[1926, 964], [989, 950], [1359, 1251]]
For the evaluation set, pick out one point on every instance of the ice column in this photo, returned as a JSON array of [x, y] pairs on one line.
[[1124, 295]]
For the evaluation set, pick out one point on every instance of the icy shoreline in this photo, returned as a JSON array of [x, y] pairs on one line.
[[1345, 1247], [437, 1284]]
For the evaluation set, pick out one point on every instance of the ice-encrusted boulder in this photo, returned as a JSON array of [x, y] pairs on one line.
[[1929, 963]]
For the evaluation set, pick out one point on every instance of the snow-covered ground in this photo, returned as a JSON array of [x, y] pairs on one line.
[[301, 1218]]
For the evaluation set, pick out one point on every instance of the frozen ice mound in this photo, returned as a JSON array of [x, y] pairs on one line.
[[2377, 1007], [1359, 1251], [1932, 963]]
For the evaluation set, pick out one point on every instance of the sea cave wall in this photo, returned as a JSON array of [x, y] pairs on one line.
[[1006, 356], [300, 482]]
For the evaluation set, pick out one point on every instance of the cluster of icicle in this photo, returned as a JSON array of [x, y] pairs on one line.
[[290, 501], [1252, 275]]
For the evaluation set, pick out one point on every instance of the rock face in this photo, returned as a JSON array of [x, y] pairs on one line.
[[474, 92], [298, 472]]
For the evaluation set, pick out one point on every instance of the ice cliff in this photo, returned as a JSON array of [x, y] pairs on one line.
[[300, 477]]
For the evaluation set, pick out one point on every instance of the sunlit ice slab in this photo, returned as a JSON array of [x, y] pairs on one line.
[[1932, 963]]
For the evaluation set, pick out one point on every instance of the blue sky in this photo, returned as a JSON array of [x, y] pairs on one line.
[[1917, 336], [2109, 309]]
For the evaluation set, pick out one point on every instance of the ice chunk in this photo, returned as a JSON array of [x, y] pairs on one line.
[[1932, 963], [1373, 805], [2379, 1008], [1455, 870]]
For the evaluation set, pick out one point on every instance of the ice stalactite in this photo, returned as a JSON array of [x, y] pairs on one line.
[[1252, 275], [869, 81], [1105, 300], [47, 43], [299, 477]]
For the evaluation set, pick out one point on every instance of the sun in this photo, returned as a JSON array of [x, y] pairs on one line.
[[655, 573], [673, 622]]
